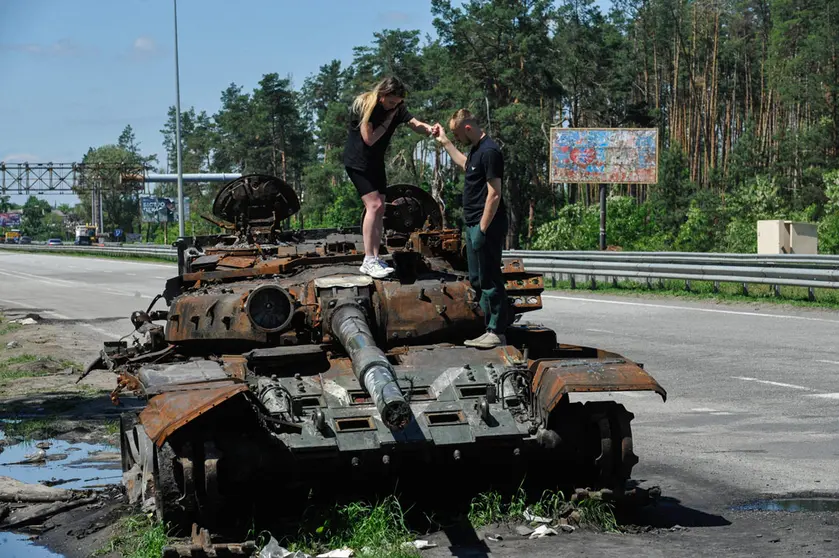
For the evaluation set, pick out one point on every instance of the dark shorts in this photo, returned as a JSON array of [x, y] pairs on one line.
[[369, 180]]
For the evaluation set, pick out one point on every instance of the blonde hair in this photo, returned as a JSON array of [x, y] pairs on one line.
[[364, 104], [461, 116]]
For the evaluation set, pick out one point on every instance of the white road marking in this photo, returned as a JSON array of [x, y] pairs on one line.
[[158, 277], [92, 259], [63, 317], [829, 361], [690, 308], [105, 271], [704, 410], [132, 274], [824, 395], [601, 331], [71, 284], [770, 383], [47, 280]]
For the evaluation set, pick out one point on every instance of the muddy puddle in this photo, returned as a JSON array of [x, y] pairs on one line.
[[14, 545], [792, 505], [55, 463]]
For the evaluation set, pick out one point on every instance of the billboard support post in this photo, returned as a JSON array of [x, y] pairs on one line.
[[603, 156], [603, 216]]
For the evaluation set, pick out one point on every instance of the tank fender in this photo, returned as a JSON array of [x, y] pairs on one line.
[[169, 411], [553, 378]]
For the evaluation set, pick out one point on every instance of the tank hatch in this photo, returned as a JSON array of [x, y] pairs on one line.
[[256, 201]]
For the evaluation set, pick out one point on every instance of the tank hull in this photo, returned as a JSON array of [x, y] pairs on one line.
[[278, 366]]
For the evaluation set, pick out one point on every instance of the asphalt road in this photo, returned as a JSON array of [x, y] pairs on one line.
[[753, 389]]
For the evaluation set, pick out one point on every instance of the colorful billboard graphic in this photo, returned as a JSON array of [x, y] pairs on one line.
[[9, 219], [604, 155], [162, 210]]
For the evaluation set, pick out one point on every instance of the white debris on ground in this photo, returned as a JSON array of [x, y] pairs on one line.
[[274, 550], [542, 531], [419, 544], [533, 518]]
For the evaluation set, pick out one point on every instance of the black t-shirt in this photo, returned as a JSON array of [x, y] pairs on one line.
[[483, 163], [357, 154]]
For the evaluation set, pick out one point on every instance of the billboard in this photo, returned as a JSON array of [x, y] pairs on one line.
[[604, 155], [9, 219], [162, 210]]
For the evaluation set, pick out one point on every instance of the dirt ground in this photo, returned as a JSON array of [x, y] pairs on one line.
[[39, 368]]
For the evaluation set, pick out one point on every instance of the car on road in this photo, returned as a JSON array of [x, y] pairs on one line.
[[54, 242], [25, 240]]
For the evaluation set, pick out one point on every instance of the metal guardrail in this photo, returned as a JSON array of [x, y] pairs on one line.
[[797, 270], [127, 251]]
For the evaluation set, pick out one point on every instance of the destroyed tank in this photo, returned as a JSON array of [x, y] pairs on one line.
[[277, 364]]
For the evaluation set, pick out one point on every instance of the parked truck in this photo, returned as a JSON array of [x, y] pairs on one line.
[[85, 235]]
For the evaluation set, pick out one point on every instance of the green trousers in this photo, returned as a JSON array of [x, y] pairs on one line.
[[483, 254]]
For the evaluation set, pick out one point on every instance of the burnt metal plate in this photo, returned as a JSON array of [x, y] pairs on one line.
[[256, 197], [156, 377]]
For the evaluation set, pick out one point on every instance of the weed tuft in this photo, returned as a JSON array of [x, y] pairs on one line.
[[137, 536], [8, 327], [21, 359], [112, 427], [30, 429], [31, 366], [599, 514], [489, 507], [370, 530], [486, 508]]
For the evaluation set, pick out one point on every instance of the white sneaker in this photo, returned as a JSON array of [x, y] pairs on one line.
[[474, 342], [490, 340], [376, 268]]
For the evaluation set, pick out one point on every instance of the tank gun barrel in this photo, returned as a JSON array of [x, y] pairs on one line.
[[370, 365]]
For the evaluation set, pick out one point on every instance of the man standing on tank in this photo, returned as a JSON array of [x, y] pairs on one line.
[[485, 217], [375, 116]]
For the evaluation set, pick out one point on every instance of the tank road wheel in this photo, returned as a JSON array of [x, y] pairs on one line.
[[609, 422], [137, 456], [157, 475], [174, 482]]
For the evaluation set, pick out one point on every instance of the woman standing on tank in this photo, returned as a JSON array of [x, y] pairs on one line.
[[375, 116]]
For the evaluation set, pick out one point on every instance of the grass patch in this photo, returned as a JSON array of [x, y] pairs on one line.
[[598, 513], [112, 427], [137, 536], [370, 530], [490, 507], [8, 327], [20, 366], [704, 290], [487, 508], [10, 368], [30, 429], [20, 359]]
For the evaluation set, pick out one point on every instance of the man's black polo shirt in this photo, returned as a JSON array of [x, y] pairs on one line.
[[483, 163]]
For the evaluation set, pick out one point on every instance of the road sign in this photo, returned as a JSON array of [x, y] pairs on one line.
[[117, 232]]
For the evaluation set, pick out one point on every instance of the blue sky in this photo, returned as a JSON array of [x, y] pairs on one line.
[[73, 73]]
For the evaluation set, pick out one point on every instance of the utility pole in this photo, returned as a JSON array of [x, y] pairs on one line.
[[181, 232]]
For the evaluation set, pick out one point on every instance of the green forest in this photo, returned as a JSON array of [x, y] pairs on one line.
[[744, 94]]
